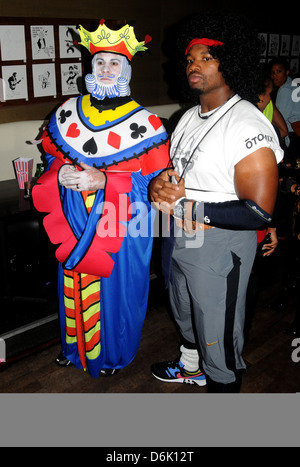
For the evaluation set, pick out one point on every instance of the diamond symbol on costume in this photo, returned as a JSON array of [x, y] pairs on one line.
[[73, 131], [155, 121], [137, 130], [64, 115], [114, 140], [90, 147]]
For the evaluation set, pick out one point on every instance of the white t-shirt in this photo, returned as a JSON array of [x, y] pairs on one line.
[[206, 150]]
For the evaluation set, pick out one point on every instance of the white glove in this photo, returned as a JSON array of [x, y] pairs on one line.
[[89, 179], [65, 170]]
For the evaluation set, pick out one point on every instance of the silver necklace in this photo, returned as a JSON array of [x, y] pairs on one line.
[[206, 115]]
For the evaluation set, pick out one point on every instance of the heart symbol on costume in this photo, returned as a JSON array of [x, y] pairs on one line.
[[155, 121], [73, 131], [90, 147]]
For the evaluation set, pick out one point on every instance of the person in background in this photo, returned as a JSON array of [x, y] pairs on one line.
[[287, 186], [269, 109], [221, 190], [288, 103], [102, 150]]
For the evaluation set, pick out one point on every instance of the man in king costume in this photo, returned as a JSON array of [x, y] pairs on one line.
[[102, 150]]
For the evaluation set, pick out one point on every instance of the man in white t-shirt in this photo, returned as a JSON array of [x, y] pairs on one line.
[[221, 190]]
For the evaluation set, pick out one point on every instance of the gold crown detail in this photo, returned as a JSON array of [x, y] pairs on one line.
[[104, 39]]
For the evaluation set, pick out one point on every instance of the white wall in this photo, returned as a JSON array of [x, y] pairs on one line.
[[14, 139]]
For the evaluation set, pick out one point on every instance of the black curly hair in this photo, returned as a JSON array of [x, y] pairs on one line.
[[239, 57], [279, 61]]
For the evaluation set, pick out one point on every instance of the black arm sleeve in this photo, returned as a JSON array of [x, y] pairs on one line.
[[233, 215]]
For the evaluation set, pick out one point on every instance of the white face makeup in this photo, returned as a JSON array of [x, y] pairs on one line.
[[107, 68], [111, 74]]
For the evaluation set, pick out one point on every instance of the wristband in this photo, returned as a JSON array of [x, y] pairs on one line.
[[197, 218], [235, 215]]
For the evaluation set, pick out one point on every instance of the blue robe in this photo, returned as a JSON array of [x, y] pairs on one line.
[[131, 145]]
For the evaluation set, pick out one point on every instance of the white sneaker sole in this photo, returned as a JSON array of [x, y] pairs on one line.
[[182, 380]]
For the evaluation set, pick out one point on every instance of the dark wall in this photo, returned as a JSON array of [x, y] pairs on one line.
[[156, 18]]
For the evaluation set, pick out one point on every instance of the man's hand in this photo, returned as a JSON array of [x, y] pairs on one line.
[[164, 193], [89, 179], [269, 248]]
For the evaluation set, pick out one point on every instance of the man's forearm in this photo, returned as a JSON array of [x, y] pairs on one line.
[[234, 215]]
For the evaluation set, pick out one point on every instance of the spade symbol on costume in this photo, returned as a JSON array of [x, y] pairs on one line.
[[90, 147], [137, 130]]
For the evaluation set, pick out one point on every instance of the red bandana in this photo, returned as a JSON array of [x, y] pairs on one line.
[[203, 41]]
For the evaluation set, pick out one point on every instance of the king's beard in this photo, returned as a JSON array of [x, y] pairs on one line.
[[119, 88], [105, 90]]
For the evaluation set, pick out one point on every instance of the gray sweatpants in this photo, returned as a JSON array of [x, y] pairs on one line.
[[208, 297]]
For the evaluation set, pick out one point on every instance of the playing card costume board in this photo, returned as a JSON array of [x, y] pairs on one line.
[[104, 237]]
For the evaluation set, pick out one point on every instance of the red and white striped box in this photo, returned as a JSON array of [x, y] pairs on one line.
[[23, 168]]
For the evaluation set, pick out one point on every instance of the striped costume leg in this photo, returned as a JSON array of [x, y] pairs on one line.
[[82, 307]]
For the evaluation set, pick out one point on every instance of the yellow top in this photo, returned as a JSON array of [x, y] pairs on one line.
[[269, 110]]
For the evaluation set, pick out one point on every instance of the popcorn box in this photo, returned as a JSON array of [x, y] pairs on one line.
[[23, 167]]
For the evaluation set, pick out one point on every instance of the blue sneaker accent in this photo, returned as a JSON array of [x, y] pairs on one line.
[[174, 372]]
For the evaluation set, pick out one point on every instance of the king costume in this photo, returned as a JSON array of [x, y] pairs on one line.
[[104, 236]]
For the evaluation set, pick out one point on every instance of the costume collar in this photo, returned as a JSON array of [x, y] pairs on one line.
[[109, 103]]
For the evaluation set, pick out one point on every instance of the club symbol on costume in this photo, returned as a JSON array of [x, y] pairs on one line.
[[64, 115], [137, 130], [90, 147]]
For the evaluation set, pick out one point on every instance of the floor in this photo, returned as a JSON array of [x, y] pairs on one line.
[[267, 353]]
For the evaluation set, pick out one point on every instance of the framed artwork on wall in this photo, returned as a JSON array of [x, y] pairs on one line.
[[39, 60], [284, 45]]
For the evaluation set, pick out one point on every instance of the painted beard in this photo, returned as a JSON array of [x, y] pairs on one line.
[[120, 88]]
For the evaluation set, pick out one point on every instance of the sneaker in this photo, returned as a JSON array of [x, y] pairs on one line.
[[61, 360], [108, 372], [174, 372]]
